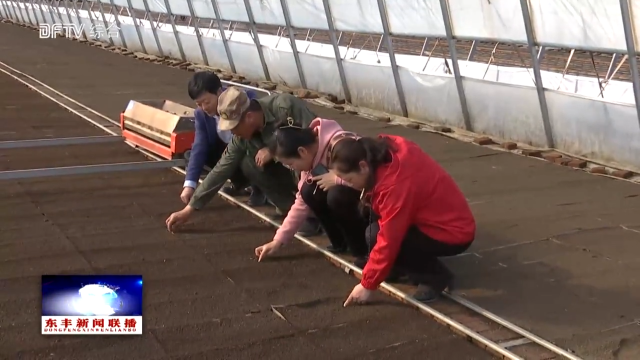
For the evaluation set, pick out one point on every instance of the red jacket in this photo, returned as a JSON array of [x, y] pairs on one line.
[[414, 190]]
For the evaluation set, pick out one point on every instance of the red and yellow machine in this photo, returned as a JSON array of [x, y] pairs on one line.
[[163, 127]]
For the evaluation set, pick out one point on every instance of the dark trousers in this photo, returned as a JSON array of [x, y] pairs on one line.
[[338, 214], [419, 253], [239, 180], [274, 180], [215, 154]]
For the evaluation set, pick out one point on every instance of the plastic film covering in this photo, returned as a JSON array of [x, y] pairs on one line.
[[579, 24], [502, 100]]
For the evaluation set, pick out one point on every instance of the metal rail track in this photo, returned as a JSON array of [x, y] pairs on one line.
[[502, 338]]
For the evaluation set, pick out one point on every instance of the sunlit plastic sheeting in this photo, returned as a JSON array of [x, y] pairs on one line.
[[231, 10], [383, 97], [416, 18], [180, 8], [156, 6], [14, 10], [34, 13], [320, 69], [201, 8], [167, 40], [595, 129], [509, 109], [279, 58], [264, 11], [148, 39], [9, 8], [634, 8], [126, 30], [595, 24], [579, 23], [500, 20], [242, 47], [357, 15], [191, 47], [348, 15], [376, 90], [308, 14], [621, 91], [506, 111], [432, 98], [214, 47], [4, 10]]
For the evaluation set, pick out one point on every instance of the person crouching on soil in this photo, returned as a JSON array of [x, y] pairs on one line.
[[418, 213], [210, 141], [334, 203], [253, 124]]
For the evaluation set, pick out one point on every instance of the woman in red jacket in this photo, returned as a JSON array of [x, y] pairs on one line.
[[418, 213]]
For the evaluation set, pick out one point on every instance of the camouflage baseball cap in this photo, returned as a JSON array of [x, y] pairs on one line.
[[232, 104]]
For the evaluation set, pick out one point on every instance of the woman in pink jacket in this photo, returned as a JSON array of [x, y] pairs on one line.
[[334, 203]]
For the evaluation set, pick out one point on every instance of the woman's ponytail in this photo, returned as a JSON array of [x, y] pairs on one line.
[[377, 151]]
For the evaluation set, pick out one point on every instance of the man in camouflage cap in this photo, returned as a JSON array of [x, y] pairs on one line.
[[253, 124]]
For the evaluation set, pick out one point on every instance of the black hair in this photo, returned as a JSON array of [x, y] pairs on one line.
[[289, 138], [347, 154], [203, 82]]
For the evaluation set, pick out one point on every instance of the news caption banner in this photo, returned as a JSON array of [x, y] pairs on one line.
[[51, 31], [91, 305]]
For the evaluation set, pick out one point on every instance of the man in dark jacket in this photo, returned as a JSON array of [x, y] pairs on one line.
[[253, 124], [204, 88]]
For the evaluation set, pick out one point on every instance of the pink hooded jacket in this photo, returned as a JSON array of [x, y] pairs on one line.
[[326, 130]]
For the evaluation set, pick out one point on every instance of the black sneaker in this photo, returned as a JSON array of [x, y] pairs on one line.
[[360, 262], [233, 191], [336, 249], [257, 198], [431, 285], [425, 293], [310, 228]]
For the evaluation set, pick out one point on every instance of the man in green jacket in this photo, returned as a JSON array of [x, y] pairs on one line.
[[253, 124]]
